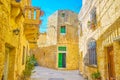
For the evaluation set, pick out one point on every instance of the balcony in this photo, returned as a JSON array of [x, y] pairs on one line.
[[91, 25], [32, 15], [31, 32]]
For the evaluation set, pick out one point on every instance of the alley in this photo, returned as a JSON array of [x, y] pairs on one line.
[[40, 73]]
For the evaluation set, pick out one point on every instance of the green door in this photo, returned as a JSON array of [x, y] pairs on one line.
[[62, 60]]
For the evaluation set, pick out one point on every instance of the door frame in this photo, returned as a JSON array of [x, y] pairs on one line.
[[6, 63], [109, 60], [57, 56], [62, 61]]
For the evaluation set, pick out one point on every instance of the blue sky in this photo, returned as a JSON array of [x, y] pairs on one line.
[[50, 6]]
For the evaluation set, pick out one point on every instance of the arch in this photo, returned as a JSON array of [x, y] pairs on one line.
[[91, 56], [90, 40]]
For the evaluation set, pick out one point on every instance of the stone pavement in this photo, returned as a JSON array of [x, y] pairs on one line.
[[41, 73]]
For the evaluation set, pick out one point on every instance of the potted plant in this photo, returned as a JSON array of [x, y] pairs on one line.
[[96, 75], [92, 25], [30, 63], [89, 24]]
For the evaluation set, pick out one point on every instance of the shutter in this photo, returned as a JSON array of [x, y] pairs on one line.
[[62, 48], [63, 29], [60, 60]]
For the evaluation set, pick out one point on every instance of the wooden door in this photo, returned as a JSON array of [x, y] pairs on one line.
[[111, 65]]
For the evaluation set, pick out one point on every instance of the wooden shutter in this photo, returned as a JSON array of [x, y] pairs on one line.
[[63, 29], [62, 48]]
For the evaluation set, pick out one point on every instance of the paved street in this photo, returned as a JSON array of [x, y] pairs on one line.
[[41, 73]]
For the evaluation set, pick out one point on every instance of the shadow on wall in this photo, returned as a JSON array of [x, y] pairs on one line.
[[46, 56]]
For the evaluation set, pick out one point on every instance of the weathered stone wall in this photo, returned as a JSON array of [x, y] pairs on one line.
[[117, 58], [42, 41], [52, 29], [54, 37], [11, 19], [107, 12], [46, 56], [80, 63], [69, 17], [104, 42], [51, 36], [72, 56], [70, 40], [55, 21], [4, 17], [71, 35]]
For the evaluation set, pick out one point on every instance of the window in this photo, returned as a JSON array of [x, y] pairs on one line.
[[35, 13], [93, 20], [90, 58], [93, 16], [62, 48], [63, 15], [63, 29], [92, 53]]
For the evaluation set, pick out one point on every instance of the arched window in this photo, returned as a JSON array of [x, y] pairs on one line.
[[91, 49]]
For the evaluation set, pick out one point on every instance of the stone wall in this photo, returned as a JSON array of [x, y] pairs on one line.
[[11, 45], [70, 40], [4, 17], [42, 41], [72, 57], [104, 42], [54, 37], [52, 29], [117, 58], [46, 56], [107, 14]]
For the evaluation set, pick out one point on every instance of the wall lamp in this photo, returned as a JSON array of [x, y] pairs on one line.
[[16, 31], [18, 0]]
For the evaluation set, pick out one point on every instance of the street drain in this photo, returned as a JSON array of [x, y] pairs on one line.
[[56, 79]]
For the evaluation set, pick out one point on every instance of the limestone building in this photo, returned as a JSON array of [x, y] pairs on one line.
[[99, 39], [41, 42], [61, 51], [15, 38]]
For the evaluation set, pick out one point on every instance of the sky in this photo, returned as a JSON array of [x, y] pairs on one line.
[[50, 6]]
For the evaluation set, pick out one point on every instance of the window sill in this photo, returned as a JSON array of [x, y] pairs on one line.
[[62, 33], [94, 66]]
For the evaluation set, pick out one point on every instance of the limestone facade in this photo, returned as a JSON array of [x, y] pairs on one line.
[[99, 22], [46, 56], [14, 45], [62, 40], [41, 42]]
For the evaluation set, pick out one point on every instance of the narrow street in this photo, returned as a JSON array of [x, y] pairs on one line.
[[68, 39], [41, 73]]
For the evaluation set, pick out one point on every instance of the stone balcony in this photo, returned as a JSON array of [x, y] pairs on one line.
[[32, 15], [31, 24], [32, 33]]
